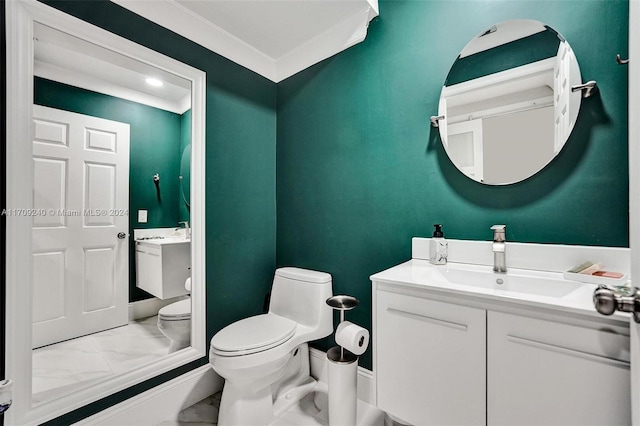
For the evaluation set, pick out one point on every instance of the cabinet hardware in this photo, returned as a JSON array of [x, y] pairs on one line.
[[621, 61], [569, 351], [436, 321]]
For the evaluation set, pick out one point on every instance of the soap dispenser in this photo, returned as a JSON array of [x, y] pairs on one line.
[[438, 247]]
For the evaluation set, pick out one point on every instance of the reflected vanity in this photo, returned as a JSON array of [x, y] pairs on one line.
[[509, 102], [68, 274]]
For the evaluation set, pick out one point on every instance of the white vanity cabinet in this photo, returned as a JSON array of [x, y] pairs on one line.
[[543, 372], [431, 360], [460, 360]]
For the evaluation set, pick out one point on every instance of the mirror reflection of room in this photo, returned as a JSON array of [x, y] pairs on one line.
[[507, 106], [111, 258]]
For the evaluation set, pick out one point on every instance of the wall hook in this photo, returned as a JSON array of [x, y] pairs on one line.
[[435, 120], [156, 181], [589, 88], [621, 61]]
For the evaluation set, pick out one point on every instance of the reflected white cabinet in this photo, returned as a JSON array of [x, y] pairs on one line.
[[431, 360], [548, 373], [161, 269]]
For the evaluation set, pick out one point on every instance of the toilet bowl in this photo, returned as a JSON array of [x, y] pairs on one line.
[[264, 359], [174, 321]]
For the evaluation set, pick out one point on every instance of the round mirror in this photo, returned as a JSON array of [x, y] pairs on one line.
[[507, 107]]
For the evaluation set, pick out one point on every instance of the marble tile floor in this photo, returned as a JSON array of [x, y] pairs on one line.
[[305, 413], [65, 366]]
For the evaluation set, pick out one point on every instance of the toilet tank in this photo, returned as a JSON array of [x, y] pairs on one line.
[[300, 295]]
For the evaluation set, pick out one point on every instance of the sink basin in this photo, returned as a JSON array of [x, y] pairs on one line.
[[527, 282]]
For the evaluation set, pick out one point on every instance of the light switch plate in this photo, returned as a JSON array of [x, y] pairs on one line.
[[142, 216]]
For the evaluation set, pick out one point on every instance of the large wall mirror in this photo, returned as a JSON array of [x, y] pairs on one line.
[[507, 106], [105, 159]]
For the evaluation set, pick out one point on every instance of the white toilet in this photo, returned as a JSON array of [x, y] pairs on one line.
[[264, 359], [174, 321]]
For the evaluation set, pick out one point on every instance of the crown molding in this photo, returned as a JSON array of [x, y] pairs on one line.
[[177, 18], [337, 38], [88, 82]]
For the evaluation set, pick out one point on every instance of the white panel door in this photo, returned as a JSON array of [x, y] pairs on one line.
[[465, 147], [81, 201], [565, 101]]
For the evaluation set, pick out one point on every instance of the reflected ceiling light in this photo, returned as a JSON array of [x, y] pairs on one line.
[[154, 82]]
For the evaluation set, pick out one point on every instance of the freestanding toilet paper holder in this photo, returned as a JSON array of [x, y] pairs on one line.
[[342, 303], [343, 366]]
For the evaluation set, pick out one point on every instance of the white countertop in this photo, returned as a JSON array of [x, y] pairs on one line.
[[156, 237], [164, 241], [420, 274]]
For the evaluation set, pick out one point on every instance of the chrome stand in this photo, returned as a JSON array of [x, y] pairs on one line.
[[343, 373]]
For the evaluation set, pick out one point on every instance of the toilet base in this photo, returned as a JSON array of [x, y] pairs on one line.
[[177, 345], [241, 406], [238, 407], [178, 333]]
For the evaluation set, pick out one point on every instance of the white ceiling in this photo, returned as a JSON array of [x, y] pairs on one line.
[[61, 57], [274, 27], [275, 38]]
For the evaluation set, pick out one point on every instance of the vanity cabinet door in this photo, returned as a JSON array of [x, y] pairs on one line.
[[149, 269], [431, 361], [548, 373]]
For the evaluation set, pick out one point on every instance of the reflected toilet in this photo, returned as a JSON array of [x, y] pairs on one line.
[[174, 321]]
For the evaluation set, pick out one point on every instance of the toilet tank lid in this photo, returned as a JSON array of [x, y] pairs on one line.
[[306, 275]]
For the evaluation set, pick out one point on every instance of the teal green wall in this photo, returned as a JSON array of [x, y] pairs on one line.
[[155, 138], [240, 176], [526, 50], [361, 171]]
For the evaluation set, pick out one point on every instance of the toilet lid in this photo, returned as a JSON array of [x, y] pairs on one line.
[[179, 310], [253, 334]]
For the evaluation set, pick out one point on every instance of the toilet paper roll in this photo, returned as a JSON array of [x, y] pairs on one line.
[[187, 284], [352, 337]]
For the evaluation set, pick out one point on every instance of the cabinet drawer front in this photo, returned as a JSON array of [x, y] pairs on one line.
[[548, 373], [148, 248], [431, 360]]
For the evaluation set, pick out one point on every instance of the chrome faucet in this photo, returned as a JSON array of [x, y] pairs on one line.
[[187, 230], [499, 248]]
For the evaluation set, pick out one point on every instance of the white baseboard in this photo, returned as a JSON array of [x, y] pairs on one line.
[[164, 402], [366, 388], [149, 307]]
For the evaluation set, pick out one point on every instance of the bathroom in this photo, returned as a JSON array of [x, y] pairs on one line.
[[337, 167]]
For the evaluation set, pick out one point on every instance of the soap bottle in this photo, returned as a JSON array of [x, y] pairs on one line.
[[438, 247]]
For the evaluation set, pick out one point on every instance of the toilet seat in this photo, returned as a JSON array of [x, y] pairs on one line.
[[178, 311], [253, 334]]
